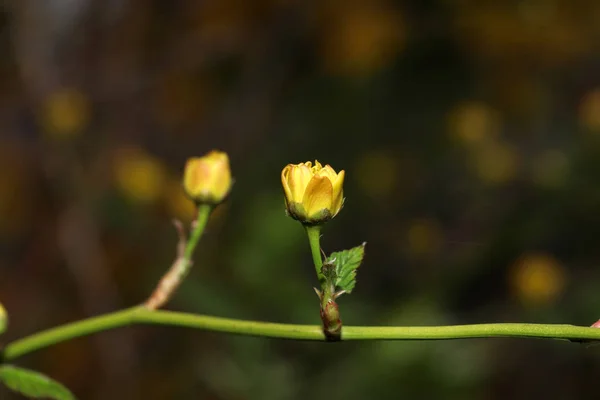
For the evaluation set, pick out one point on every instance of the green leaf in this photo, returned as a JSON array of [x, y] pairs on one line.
[[346, 262], [33, 384]]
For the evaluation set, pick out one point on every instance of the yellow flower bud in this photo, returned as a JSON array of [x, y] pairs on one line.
[[207, 179], [313, 194], [3, 318]]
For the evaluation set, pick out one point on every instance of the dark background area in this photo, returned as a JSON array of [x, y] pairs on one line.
[[469, 131]]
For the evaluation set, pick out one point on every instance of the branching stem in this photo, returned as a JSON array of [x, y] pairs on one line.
[[141, 315]]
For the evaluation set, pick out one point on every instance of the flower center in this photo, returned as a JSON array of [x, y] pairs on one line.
[[316, 168]]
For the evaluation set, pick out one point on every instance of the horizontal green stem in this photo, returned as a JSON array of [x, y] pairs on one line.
[[141, 315]]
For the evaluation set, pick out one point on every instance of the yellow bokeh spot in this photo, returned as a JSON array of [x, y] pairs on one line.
[[65, 114], [472, 122], [425, 237], [177, 203], [361, 37], [139, 175], [550, 169], [589, 111], [537, 279], [495, 162], [377, 173]]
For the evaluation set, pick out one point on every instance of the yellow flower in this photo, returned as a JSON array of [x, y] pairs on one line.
[[207, 179], [3, 318], [313, 194]]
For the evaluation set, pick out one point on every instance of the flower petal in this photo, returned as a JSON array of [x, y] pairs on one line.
[[285, 173], [298, 179], [338, 192], [318, 195], [196, 174], [221, 175], [328, 172]]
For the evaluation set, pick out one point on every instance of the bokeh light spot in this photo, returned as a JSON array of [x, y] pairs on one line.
[[472, 122], [589, 111], [139, 175], [361, 37], [537, 279], [65, 114]]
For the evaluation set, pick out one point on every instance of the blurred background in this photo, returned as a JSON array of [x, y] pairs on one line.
[[469, 131]]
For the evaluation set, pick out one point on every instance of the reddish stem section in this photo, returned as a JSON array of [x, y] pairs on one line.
[[332, 323]]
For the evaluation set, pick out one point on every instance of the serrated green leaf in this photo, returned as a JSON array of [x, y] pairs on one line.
[[33, 384], [346, 262]]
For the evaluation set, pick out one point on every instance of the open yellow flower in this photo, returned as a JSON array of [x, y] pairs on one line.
[[313, 194], [207, 179]]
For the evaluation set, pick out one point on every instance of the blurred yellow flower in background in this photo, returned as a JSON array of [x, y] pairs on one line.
[[207, 179], [65, 113], [361, 37], [313, 194], [537, 279], [139, 175], [589, 111], [473, 122], [3, 318]]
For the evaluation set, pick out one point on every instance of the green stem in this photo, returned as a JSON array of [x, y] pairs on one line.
[[140, 315], [314, 239], [180, 268], [200, 223]]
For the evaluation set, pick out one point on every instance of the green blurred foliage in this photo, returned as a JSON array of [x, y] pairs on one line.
[[469, 133]]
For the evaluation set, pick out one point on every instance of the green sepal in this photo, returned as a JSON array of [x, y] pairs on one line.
[[297, 212]]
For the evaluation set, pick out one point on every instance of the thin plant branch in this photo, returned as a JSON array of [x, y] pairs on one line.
[[142, 316], [183, 262]]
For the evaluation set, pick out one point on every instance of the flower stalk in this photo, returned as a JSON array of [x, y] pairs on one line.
[[173, 278], [314, 240], [329, 310]]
